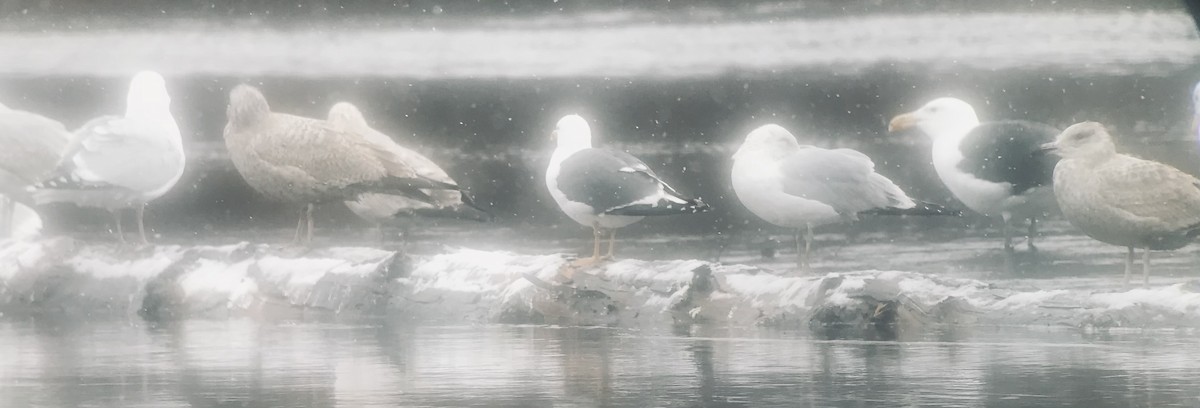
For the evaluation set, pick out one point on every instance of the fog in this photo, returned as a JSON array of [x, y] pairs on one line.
[[702, 310]]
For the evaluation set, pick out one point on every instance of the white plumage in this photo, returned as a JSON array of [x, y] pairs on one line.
[[606, 189], [118, 162], [31, 146], [994, 168], [801, 187]]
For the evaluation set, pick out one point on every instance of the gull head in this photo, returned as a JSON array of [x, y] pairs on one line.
[[345, 113], [147, 92], [573, 132], [1086, 140], [770, 139], [940, 118], [246, 105]]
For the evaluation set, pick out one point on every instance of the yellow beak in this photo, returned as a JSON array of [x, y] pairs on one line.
[[902, 121]]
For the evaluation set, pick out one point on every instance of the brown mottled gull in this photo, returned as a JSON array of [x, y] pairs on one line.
[[307, 161], [31, 146], [1123, 200], [384, 208]]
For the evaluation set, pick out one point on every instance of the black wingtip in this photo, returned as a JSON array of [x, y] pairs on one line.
[[473, 210], [692, 206], [921, 209]]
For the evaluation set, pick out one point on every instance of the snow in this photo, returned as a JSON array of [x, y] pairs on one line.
[[64, 276]]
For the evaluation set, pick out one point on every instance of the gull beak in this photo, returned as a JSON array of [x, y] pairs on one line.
[[902, 121], [554, 135], [1050, 147]]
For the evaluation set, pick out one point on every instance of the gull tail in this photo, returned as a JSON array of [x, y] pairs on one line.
[[921, 209], [468, 210], [67, 187], [472, 210], [664, 206], [404, 186]]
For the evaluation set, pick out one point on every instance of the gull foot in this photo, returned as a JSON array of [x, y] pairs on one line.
[[566, 272]]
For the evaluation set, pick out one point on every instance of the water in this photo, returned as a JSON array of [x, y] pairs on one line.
[[243, 363]]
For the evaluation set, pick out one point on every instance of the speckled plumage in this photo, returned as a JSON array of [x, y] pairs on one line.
[[380, 208], [296, 159], [302, 160], [1123, 200], [1127, 201]]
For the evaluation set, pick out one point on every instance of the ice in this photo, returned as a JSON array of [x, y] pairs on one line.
[[62, 276]]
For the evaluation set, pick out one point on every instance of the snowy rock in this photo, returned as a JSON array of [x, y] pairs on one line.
[[62, 276]]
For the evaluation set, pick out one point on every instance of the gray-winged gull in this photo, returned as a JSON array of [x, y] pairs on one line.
[[119, 162], [31, 147], [994, 168], [801, 186], [1123, 200], [307, 161], [606, 189], [384, 208]]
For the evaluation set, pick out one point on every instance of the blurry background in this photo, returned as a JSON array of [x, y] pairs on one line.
[[477, 86]]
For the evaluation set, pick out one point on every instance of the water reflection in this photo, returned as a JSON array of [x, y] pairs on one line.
[[253, 364]]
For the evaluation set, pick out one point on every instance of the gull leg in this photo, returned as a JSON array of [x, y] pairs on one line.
[[799, 250], [7, 208], [1146, 267], [308, 214], [597, 236], [299, 228], [1128, 266], [808, 240], [612, 241], [803, 253], [140, 212], [117, 222], [1032, 233], [1008, 246], [405, 234]]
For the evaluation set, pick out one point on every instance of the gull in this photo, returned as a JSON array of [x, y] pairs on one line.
[[382, 208], [1123, 200], [307, 161], [606, 189], [801, 186], [120, 162], [994, 168], [31, 145]]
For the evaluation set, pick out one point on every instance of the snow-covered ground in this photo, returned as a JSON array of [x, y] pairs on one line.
[[64, 276]]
